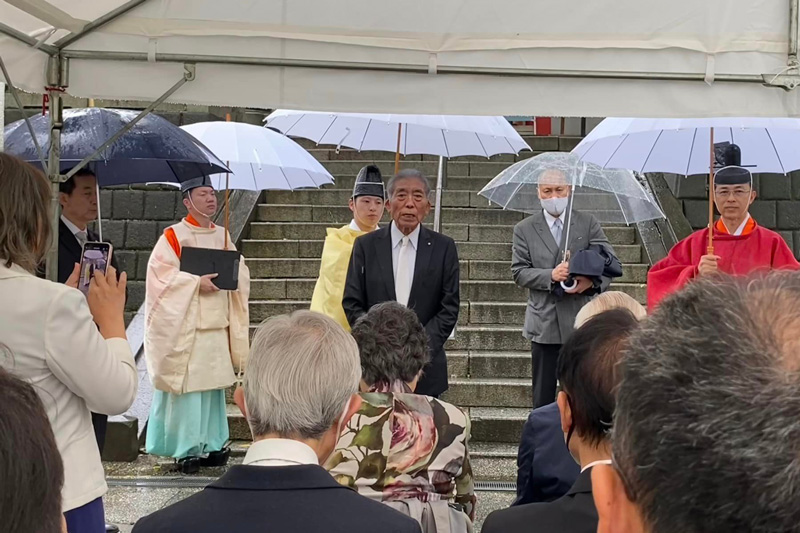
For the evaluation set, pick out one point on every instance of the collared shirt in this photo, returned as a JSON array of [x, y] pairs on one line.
[[595, 463], [551, 223], [81, 235], [397, 238], [746, 227], [280, 452]]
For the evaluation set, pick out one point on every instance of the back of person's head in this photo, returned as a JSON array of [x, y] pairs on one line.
[[393, 344], [24, 213], [302, 370], [31, 472], [707, 429], [586, 372], [610, 300]]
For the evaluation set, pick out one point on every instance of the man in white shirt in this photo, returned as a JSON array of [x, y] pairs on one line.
[[413, 265], [281, 485], [78, 199], [538, 265]]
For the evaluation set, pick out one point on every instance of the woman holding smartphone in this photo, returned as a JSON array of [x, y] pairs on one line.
[[71, 348]]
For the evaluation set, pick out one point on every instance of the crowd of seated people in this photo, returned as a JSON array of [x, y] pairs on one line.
[[687, 420]]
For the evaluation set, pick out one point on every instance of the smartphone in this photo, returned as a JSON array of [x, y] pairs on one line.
[[94, 261]]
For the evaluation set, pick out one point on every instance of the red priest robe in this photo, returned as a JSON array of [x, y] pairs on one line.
[[756, 249]]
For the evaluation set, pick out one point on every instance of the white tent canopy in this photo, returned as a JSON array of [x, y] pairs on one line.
[[583, 58]]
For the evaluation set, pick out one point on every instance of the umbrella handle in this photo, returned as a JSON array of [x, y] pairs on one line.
[[397, 153]]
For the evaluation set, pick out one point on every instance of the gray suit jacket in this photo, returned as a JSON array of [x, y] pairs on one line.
[[550, 319]]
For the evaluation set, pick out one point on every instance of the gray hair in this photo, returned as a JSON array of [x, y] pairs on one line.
[[405, 174], [607, 301], [392, 342], [302, 370], [707, 427]]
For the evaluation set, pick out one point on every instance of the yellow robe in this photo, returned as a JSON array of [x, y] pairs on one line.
[[329, 290]]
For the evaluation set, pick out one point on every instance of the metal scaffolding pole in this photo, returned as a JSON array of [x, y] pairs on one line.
[[57, 81]]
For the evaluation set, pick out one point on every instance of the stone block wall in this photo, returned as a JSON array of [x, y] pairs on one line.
[[134, 217], [777, 206]]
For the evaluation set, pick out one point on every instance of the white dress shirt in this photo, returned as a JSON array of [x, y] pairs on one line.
[[280, 452], [397, 238], [551, 223], [82, 235]]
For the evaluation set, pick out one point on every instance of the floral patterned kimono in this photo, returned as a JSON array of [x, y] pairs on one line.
[[402, 446]]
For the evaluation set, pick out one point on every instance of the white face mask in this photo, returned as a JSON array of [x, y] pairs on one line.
[[554, 206]]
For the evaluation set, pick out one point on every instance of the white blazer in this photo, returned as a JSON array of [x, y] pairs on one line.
[[56, 347]]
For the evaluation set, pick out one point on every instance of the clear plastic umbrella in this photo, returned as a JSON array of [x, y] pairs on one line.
[[613, 196]]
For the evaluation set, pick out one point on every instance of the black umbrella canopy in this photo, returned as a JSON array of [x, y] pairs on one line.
[[154, 150]]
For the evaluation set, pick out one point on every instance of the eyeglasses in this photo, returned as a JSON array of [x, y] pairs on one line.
[[737, 193]]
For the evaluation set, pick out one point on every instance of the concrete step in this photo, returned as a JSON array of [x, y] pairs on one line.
[[489, 392], [453, 182], [498, 424], [500, 338], [338, 215], [450, 198], [460, 232], [483, 251], [480, 364], [261, 268]]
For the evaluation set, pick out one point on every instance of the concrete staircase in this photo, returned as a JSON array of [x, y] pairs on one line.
[[489, 360]]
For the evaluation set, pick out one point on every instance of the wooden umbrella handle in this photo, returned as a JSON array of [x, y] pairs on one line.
[[397, 152], [710, 249]]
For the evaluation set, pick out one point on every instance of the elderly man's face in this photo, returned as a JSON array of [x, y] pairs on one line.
[[733, 201], [409, 204], [553, 184]]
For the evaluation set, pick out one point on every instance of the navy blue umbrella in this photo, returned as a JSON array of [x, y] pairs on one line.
[[154, 150]]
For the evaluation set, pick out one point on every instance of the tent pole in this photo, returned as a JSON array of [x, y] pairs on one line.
[[15, 95], [105, 19], [437, 211], [188, 75], [710, 250], [57, 81]]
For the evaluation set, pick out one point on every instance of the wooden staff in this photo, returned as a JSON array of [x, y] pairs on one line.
[[710, 249], [397, 153]]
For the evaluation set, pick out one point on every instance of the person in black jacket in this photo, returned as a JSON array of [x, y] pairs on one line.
[[300, 391], [586, 403], [78, 199], [413, 265]]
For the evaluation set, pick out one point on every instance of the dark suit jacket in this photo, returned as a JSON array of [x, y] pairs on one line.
[[434, 291], [302, 499], [573, 513], [69, 251], [545, 468]]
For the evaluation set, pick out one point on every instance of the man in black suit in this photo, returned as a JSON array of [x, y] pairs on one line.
[[413, 265], [586, 404], [545, 468], [78, 199], [281, 486]]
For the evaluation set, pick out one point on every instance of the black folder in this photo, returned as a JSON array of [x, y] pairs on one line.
[[202, 261]]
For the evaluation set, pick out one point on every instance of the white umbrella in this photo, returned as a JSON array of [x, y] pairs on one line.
[[260, 159], [682, 146], [685, 146], [442, 135]]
